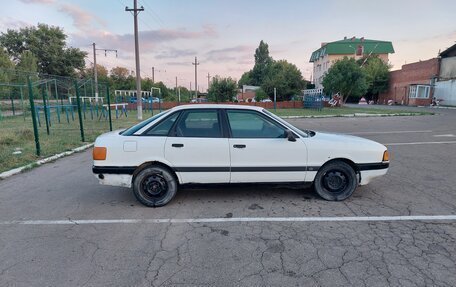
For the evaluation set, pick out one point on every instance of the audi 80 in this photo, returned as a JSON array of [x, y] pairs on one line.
[[206, 144]]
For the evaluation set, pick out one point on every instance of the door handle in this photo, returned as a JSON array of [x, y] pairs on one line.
[[177, 145], [239, 146]]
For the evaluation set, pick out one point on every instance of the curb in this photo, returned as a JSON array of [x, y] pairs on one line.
[[17, 170], [358, 115]]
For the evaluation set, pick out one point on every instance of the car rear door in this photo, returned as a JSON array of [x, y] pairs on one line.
[[260, 152], [198, 149]]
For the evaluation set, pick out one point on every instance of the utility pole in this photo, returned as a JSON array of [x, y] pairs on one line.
[[196, 77], [95, 71], [176, 90], [208, 81], [135, 13], [153, 75]]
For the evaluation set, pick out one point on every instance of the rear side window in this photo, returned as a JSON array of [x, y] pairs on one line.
[[163, 127], [199, 123], [247, 124]]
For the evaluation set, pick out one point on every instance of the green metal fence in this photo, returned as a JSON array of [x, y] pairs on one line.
[[42, 115]]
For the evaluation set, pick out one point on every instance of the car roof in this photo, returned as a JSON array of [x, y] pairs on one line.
[[217, 106]]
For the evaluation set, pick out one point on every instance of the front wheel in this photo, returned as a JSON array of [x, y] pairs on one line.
[[335, 181], [154, 186]]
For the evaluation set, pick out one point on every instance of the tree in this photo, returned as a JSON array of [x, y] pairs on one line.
[[222, 89], [260, 95], [346, 78], [48, 44], [246, 79], [122, 79], [286, 78], [263, 63], [6, 67], [27, 66], [377, 76]]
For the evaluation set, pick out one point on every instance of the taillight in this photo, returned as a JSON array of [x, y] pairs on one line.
[[99, 153]]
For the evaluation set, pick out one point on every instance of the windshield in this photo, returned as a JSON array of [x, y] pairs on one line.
[[295, 129], [137, 127]]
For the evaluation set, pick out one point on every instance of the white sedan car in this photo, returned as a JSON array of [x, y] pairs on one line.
[[232, 144]]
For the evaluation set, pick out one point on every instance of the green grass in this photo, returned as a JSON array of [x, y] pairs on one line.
[[340, 112], [16, 133]]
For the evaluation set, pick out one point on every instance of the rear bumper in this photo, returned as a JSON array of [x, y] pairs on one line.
[[114, 175], [113, 169]]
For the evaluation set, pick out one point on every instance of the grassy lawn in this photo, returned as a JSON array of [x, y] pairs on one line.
[[16, 133]]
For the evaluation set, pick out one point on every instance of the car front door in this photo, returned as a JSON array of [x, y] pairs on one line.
[[260, 152], [198, 149]]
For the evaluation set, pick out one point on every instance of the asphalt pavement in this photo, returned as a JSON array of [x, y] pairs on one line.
[[55, 227]]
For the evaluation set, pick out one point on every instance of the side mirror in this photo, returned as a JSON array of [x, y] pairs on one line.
[[290, 136]]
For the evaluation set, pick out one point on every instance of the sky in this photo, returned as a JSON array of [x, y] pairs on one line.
[[223, 34]]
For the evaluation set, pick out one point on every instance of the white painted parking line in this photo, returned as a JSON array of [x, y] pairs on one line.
[[445, 136], [420, 143], [238, 219], [390, 132]]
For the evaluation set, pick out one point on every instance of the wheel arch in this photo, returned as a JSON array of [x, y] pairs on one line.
[[154, 163], [342, 159]]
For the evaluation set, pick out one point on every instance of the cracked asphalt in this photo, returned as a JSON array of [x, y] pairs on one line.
[[421, 181]]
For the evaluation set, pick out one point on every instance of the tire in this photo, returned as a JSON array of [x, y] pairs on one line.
[[336, 181], [155, 186]]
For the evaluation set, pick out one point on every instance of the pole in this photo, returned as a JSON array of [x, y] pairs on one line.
[[78, 102], [176, 90], [196, 76], [109, 107], [43, 89], [275, 99], [179, 93], [32, 108], [153, 75], [136, 11], [208, 81], [95, 72]]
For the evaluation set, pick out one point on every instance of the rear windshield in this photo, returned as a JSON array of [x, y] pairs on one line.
[[137, 127]]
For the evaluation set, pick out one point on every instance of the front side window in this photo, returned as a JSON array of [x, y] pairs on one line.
[[247, 124], [163, 127], [199, 123]]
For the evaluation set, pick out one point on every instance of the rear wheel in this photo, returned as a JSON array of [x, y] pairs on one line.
[[335, 181], [154, 186]]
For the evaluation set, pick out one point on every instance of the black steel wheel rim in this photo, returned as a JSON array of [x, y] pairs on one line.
[[335, 181], [154, 187]]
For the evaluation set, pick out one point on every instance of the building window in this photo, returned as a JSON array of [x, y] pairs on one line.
[[419, 91]]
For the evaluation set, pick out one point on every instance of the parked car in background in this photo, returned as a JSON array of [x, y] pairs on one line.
[[198, 100], [232, 144], [146, 100], [266, 101]]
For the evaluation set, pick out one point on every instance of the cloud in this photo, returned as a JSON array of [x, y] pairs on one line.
[[149, 40], [82, 19], [11, 23], [172, 53], [188, 63], [239, 53], [37, 1]]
